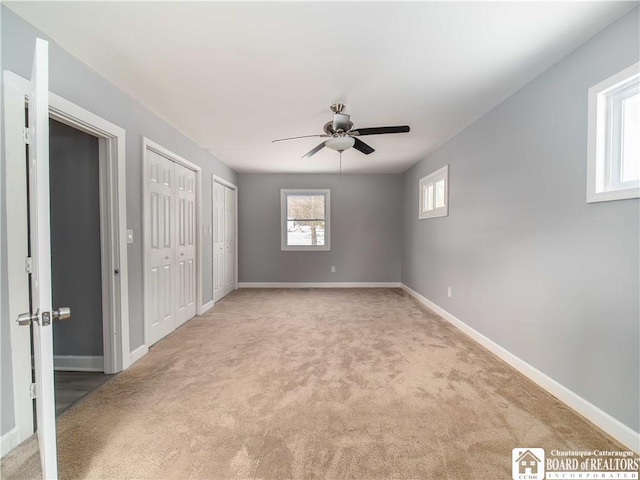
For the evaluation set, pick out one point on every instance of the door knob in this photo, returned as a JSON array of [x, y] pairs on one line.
[[63, 313], [25, 319]]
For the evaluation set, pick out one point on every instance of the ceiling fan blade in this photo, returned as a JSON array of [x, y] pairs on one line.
[[314, 151], [380, 130], [362, 147], [295, 138]]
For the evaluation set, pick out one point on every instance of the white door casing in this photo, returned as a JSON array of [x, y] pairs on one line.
[[159, 246], [17, 250], [185, 200], [40, 240]]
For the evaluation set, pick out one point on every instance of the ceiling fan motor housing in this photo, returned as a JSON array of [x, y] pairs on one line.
[[341, 122]]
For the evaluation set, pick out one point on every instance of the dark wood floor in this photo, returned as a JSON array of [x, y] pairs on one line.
[[72, 386]]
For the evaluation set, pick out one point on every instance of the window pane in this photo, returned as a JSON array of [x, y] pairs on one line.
[[305, 233], [630, 150], [305, 207], [440, 193], [425, 198], [429, 197]]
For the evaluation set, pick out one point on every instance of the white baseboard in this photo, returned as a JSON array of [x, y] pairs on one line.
[[206, 307], [603, 420], [138, 353], [78, 363], [9, 441], [319, 285]]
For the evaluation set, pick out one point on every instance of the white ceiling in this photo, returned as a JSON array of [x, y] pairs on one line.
[[234, 76]]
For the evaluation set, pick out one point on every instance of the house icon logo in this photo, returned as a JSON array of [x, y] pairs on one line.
[[527, 463]]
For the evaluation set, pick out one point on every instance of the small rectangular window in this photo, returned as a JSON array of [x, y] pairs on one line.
[[433, 194], [305, 219], [613, 164]]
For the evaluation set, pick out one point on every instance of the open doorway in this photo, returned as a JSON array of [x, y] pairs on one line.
[[76, 251], [76, 260]]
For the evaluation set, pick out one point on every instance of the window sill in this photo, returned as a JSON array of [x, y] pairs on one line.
[[305, 249], [628, 193]]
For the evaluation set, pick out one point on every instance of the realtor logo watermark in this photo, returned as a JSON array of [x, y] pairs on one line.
[[530, 463]]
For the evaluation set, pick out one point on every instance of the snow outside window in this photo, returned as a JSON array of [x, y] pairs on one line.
[[305, 219]]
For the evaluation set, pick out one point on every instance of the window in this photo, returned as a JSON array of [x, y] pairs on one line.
[[434, 192], [305, 219], [613, 169]]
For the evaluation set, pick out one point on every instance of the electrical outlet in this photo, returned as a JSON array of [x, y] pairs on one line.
[[333, 269], [129, 236], [449, 291]]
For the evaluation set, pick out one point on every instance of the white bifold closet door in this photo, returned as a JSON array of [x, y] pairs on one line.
[[224, 240], [186, 243], [229, 240], [170, 244]]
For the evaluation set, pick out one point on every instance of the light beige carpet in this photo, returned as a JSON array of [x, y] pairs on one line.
[[311, 384]]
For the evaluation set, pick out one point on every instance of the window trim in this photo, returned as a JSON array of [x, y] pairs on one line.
[[599, 187], [441, 173], [283, 220]]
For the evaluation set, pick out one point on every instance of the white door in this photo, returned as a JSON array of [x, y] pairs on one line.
[[224, 240], [218, 241], [41, 313], [160, 291], [185, 200], [229, 240]]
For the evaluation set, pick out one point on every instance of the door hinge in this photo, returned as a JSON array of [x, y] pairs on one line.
[[32, 390], [26, 135], [28, 265]]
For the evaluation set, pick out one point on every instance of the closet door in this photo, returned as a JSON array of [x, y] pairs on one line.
[[159, 246], [185, 241], [229, 240], [218, 240]]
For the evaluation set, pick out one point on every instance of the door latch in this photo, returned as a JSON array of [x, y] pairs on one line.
[[25, 319]]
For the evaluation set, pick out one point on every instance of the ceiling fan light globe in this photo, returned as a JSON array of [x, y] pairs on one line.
[[340, 143]]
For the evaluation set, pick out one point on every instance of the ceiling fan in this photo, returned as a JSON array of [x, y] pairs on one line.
[[343, 136]]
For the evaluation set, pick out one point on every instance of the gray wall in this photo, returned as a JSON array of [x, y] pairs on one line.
[[76, 271], [76, 82], [552, 279], [365, 230]]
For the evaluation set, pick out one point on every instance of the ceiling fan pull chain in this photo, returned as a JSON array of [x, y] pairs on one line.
[[340, 165]]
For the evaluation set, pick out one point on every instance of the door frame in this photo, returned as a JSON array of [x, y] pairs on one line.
[[148, 144], [115, 286], [228, 184]]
